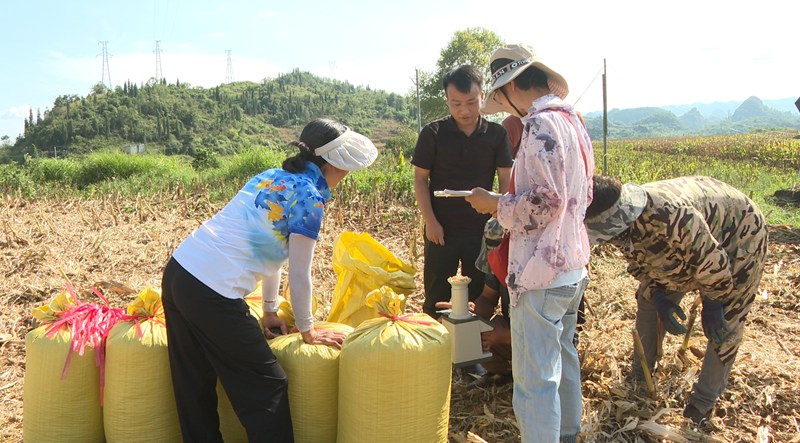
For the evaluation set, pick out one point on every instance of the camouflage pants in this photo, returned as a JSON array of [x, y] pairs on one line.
[[714, 374]]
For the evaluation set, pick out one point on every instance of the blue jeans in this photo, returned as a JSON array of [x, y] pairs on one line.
[[547, 374]]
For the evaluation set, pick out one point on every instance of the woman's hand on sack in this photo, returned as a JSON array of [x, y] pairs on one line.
[[324, 337], [273, 325], [483, 201]]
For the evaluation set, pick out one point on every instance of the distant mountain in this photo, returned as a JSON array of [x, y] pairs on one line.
[[633, 115], [723, 110], [750, 108], [698, 119], [693, 120]]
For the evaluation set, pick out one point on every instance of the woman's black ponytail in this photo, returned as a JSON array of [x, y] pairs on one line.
[[297, 162], [316, 133]]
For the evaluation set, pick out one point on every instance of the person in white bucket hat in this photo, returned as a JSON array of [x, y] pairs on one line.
[[275, 217], [551, 187]]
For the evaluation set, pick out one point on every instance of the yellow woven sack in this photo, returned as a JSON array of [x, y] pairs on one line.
[[313, 374], [253, 301], [139, 401], [65, 410], [363, 265], [284, 306], [394, 377]]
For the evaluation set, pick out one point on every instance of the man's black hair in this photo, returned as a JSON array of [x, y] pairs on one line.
[[606, 192], [462, 78]]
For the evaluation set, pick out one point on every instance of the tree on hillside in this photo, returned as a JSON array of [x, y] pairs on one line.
[[180, 119], [471, 46]]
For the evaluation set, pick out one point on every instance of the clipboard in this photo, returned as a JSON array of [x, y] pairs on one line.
[[451, 193]]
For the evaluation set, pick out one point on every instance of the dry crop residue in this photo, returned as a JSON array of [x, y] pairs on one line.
[[116, 243]]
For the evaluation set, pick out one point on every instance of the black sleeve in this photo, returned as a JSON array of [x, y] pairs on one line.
[[425, 150], [491, 281], [503, 157]]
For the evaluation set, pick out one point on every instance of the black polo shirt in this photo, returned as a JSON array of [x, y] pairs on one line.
[[458, 162]]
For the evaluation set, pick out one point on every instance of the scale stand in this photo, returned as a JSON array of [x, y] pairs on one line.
[[465, 327]]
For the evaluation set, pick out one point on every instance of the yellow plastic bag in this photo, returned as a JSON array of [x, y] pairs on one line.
[[394, 377], [363, 265], [139, 401], [59, 409], [313, 374]]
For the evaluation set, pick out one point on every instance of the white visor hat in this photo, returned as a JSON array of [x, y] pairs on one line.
[[350, 151]]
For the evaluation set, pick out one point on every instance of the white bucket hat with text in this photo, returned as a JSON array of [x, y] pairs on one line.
[[522, 57]]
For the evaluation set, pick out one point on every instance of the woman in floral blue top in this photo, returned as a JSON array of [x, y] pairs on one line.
[[275, 217]]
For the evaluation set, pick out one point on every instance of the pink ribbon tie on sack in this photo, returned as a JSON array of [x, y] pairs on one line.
[[89, 325], [404, 318]]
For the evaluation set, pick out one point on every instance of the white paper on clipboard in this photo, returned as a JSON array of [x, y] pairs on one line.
[[451, 193]]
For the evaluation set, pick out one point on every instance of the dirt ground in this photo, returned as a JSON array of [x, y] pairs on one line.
[[128, 242]]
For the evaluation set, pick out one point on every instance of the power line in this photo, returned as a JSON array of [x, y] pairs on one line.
[[159, 73], [106, 70], [588, 86], [229, 68]]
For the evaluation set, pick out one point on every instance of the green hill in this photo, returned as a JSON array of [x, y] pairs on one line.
[[181, 119]]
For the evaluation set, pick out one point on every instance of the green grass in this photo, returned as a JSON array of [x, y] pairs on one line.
[[757, 164], [748, 162]]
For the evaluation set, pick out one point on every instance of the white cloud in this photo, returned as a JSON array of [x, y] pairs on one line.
[[12, 119], [395, 77], [17, 112]]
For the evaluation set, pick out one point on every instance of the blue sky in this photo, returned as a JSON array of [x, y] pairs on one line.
[[658, 53]]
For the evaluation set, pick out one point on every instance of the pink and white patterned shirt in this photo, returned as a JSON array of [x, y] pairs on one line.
[[552, 188]]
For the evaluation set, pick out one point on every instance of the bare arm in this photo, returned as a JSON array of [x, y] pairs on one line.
[[503, 180], [486, 303], [433, 230]]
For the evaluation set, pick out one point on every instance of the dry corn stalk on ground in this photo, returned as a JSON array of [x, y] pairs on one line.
[[122, 244]]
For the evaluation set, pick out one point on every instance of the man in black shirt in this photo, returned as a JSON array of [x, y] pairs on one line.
[[461, 151]]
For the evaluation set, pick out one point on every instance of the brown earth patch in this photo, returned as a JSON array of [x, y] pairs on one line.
[[116, 242]]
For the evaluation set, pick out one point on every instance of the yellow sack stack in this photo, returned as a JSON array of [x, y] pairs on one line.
[[363, 265], [394, 377], [254, 303], [139, 400], [285, 311], [313, 374], [56, 409]]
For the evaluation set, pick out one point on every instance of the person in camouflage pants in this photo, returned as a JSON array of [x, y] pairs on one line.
[[681, 235]]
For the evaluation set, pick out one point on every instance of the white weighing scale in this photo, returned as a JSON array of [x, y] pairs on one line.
[[465, 327]]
